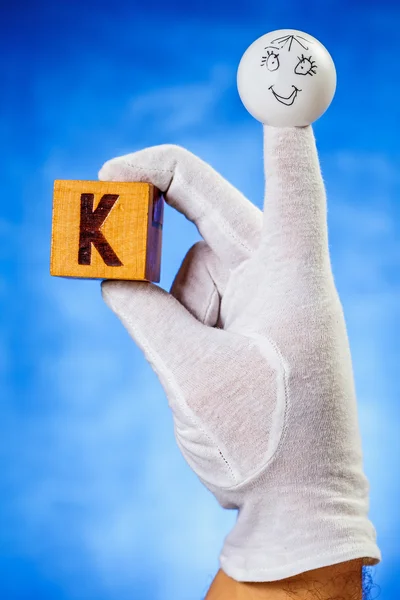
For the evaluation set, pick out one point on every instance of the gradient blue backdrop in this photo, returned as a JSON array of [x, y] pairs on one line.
[[96, 502]]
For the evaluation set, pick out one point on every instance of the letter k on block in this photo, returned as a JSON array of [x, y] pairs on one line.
[[106, 229], [89, 230]]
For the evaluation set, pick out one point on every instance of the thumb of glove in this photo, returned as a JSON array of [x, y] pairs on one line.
[[161, 326]]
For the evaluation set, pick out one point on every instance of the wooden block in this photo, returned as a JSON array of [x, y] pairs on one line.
[[106, 229]]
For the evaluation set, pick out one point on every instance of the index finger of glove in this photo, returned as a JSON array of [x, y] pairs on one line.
[[229, 223], [295, 234]]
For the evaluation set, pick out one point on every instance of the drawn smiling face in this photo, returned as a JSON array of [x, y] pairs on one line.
[[279, 50], [286, 78]]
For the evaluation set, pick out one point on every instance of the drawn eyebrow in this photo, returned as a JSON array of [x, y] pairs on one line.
[[289, 38], [284, 39], [275, 47], [301, 38]]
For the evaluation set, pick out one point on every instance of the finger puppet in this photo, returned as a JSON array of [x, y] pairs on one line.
[[251, 345]]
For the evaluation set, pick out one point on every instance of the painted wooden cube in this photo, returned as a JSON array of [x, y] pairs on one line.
[[106, 230]]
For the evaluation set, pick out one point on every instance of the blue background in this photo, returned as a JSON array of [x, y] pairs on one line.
[[96, 502]]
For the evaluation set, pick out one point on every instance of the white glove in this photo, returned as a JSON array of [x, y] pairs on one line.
[[252, 351]]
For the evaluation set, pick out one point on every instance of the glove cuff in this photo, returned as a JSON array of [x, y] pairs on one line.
[[273, 543]]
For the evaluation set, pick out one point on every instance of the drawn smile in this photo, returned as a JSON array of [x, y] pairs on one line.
[[290, 99]]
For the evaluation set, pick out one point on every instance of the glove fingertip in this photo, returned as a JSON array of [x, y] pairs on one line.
[[105, 173], [113, 291], [117, 294]]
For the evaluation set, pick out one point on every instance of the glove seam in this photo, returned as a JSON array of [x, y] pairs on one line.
[[136, 168], [176, 176], [222, 225], [205, 481], [167, 374], [210, 302], [147, 169], [213, 292], [285, 372]]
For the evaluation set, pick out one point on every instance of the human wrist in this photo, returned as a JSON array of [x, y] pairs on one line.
[[280, 535], [342, 580]]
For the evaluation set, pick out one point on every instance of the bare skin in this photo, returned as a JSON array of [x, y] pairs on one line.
[[336, 582]]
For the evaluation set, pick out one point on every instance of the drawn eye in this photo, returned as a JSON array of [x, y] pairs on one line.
[[271, 61], [305, 66]]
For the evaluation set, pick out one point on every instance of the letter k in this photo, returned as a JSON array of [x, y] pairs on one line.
[[89, 231]]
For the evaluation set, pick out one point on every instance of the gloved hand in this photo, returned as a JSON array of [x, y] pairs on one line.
[[252, 351]]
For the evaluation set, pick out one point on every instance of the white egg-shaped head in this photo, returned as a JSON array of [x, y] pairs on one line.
[[286, 78]]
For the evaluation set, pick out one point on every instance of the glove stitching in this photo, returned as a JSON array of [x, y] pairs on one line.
[[207, 209], [284, 370], [147, 169], [136, 168], [213, 292], [156, 360], [183, 449], [219, 222], [210, 303], [233, 281]]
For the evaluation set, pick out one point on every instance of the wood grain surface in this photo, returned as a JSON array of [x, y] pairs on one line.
[[106, 230]]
